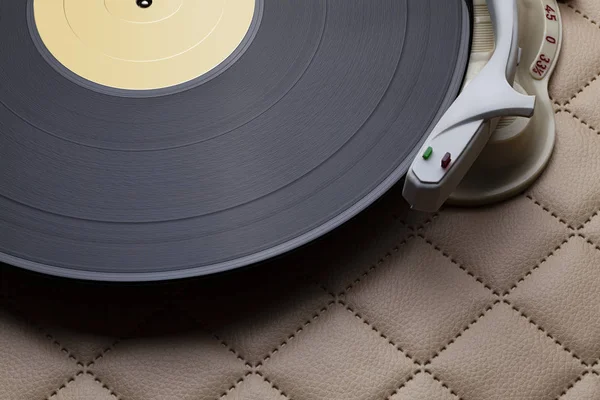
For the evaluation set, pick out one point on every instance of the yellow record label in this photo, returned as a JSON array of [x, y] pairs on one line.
[[142, 44]]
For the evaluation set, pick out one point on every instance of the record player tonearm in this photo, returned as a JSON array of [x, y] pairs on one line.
[[498, 135]]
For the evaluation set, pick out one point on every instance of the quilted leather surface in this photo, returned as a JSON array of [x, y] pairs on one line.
[[493, 303]]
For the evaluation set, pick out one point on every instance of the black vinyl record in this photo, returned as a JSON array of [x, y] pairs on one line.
[[319, 115]]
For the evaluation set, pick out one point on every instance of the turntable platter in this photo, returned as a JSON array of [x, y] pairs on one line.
[[150, 140]]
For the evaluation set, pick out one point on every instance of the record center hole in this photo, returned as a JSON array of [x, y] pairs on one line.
[[144, 3]]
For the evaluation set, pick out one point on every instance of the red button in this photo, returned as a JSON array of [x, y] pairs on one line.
[[446, 160]]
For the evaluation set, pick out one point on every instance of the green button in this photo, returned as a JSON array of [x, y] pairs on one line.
[[428, 153]]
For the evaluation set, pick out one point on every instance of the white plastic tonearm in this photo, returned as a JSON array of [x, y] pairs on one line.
[[464, 129]]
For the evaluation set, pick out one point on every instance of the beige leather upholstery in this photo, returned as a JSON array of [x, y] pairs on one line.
[[495, 303]]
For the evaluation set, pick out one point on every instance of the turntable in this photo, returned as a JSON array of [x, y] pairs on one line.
[[151, 139]]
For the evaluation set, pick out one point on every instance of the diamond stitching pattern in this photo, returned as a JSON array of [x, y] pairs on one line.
[[209, 368], [424, 387], [587, 387], [501, 257], [573, 168], [576, 67], [83, 386], [419, 318], [485, 370], [496, 296], [339, 341], [254, 387], [574, 320]]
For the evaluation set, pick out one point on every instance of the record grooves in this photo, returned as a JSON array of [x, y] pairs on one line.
[[314, 114]]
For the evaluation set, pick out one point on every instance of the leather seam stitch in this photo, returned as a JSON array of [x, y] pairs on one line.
[[547, 210], [374, 266], [581, 90], [232, 351], [596, 247], [381, 334], [10, 304], [388, 254], [588, 220], [580, 120], [539, 264], [442, 383], [462, 332], [63, 349], [545, 332], [324, 288], [459, 265], [110, 348], [103, 353], [399, 388], [598, 75], [64, 385], [582, 14], [572, 384], [313, 318], [236, 384], [588, 241], [273, 385], [104, 385], [421, 226]]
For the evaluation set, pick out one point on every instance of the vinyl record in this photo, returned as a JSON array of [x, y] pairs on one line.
[[153, 139]]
